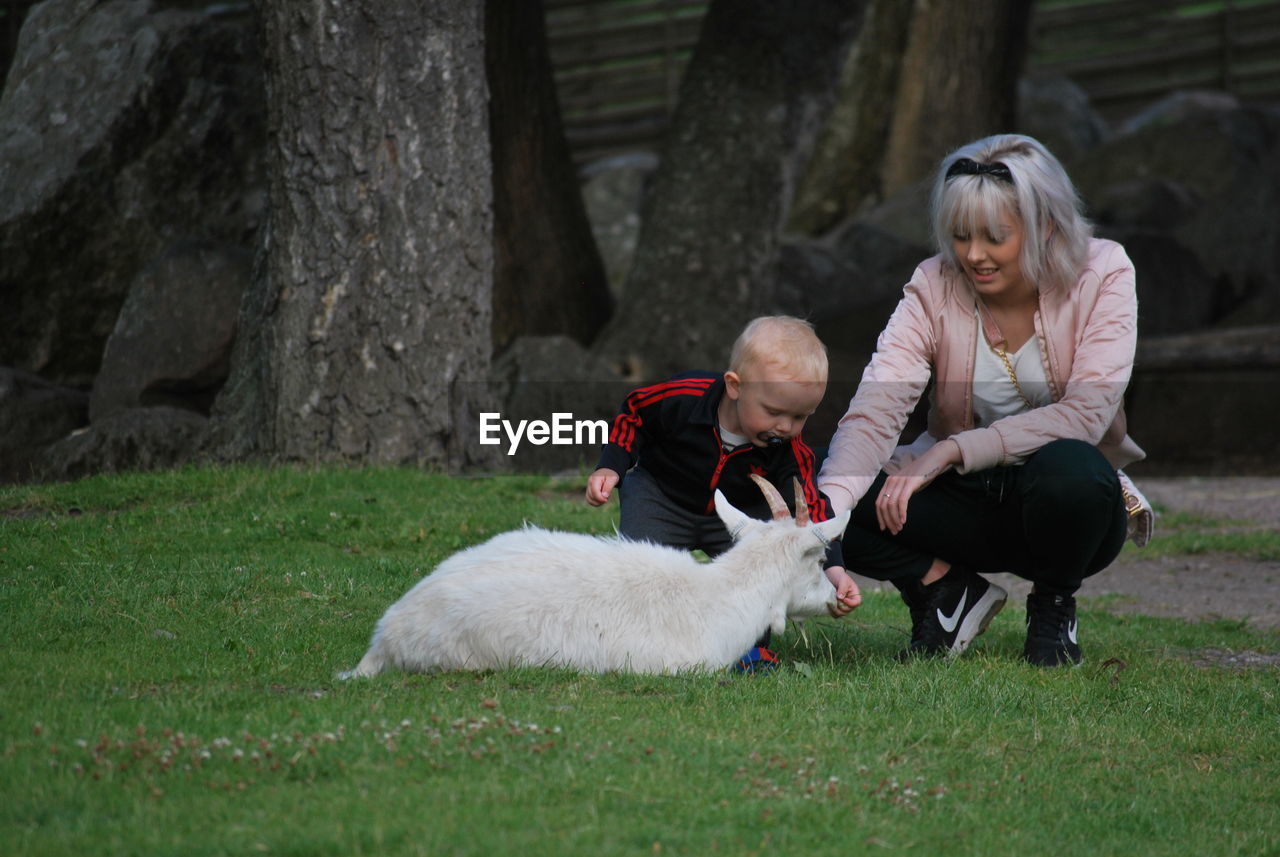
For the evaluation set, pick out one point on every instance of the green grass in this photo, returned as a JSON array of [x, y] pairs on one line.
[[170, 642], [1184, 533]]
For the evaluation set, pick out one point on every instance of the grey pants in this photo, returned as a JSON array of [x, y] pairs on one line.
[[649, 515]]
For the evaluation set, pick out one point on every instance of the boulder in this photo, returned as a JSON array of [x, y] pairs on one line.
[[856, 276], [847, 284], [1145, 203], [1209, 177], [34, 413], [612, 191], [1058, 113], [123, 127], [905, 214], [172, 340], [1177, 107], [136, 439], [1175, 293]]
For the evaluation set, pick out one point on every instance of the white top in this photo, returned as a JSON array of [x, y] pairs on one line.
[[730, 441], [994, 395]]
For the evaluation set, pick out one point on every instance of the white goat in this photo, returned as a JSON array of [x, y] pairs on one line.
[[541, 598]]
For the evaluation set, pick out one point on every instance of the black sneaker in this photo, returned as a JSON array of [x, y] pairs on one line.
[[949, 613], [1051, 631], [916, 597]]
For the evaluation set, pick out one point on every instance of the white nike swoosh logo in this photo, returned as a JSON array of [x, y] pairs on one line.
[[949, 622], [1071, 632]]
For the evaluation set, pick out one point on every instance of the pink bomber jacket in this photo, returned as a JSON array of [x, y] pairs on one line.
[[1087, 336]]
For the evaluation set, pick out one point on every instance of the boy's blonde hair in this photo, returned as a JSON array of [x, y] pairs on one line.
[[783, 341]]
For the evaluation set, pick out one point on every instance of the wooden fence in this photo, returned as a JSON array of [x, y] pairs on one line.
[[618, 65], [618, 62], [1128, 53]]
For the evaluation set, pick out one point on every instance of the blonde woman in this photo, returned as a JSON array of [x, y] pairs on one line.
[[1026, 326]]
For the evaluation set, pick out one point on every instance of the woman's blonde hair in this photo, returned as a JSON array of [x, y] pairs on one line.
[[783, 341], [972, 197]]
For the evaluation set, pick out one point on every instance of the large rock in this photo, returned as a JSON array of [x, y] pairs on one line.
[[1177, 107], [847, 284], [1207, 174], [613, 190], [1058, 113], [1175, 293], [123, 127], [136, 439], [172, 340], [905, 214], [34, 413]]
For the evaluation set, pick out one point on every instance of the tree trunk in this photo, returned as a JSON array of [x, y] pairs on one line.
[[958, 82], [364, 335], [753, 99], [845, 170], [548, 277]]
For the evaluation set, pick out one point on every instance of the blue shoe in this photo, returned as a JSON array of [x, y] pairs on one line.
[[757, 660]]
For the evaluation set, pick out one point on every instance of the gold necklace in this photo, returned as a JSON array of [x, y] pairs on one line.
[[1013, 376]]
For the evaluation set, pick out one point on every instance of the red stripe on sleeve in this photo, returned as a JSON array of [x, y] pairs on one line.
[[628, 423]]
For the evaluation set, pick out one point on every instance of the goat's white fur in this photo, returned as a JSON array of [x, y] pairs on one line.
[[544, 598]]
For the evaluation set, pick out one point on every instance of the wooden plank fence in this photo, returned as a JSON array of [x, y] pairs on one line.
[[618, 63], [1129, 53]]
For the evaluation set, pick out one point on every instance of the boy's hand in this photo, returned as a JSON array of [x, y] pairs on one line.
[[847, 594], [600, 486]]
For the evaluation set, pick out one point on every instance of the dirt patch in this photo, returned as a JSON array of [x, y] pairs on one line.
[[1240, 498], [1201, 587], [1225, 659]]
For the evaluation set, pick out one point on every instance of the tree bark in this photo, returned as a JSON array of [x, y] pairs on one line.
[[845, 169], [958, 82], [753, 99], [548, 277], [365, 334]]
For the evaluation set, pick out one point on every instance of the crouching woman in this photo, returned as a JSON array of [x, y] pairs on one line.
[[1026, 326]]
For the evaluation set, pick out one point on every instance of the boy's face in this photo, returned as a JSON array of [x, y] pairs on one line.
[[764, 403]]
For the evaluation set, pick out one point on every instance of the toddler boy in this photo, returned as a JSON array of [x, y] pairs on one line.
[[678, 441]]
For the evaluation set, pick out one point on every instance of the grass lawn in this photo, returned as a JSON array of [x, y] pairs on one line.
[[170, 643]]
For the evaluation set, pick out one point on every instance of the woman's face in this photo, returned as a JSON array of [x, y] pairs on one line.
[[992, 258]]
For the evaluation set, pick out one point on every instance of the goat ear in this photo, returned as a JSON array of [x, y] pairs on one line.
[[734, 521], [829, 531]]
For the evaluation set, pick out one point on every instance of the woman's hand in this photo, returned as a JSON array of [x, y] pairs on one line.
[[891, 504]]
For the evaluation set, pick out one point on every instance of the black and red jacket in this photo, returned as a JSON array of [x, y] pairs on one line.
[[671, 429]]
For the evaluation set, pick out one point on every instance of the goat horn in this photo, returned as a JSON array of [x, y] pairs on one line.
[[777, 505], [802, 508]]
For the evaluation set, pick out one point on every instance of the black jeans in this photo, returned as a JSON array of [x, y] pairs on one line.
[[1055, 519]]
